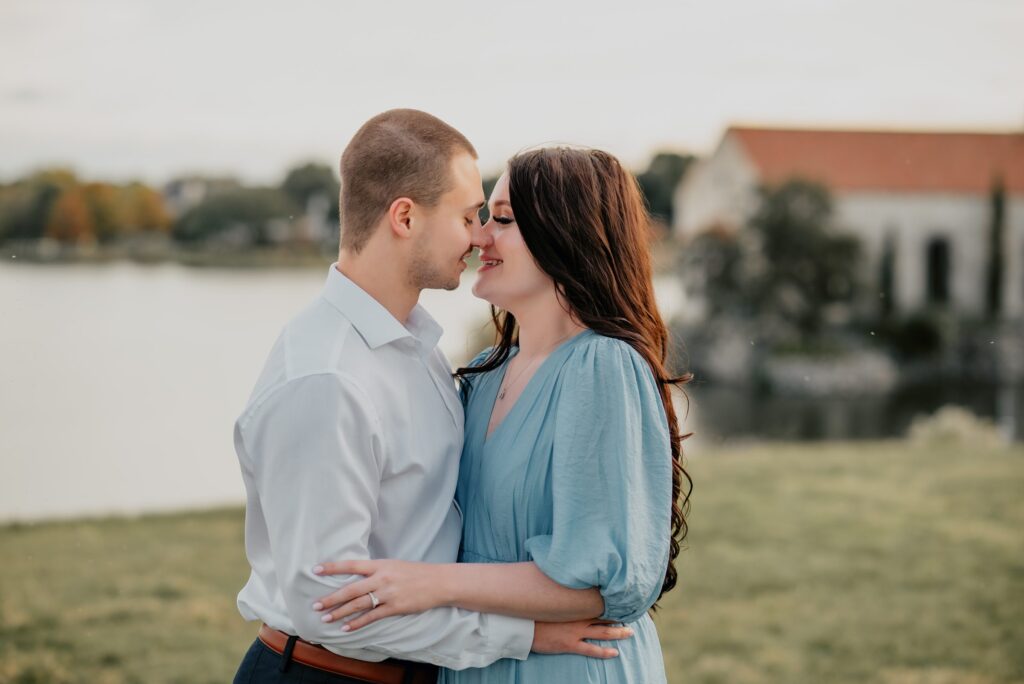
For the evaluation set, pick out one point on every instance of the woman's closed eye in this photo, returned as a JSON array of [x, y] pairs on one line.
[[503, 220]]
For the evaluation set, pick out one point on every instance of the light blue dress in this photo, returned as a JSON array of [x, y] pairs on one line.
[[578, 479]]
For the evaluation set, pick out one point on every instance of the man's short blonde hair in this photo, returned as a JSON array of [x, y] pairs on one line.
[[399, 153]]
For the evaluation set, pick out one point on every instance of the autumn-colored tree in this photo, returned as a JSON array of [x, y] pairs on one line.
[[70, 218], [142, 209], [103, 207]]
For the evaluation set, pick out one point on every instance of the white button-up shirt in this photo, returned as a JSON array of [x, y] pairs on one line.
[[349, 448]]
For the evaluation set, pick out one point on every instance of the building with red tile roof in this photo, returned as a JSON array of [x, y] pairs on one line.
[[927, 194]]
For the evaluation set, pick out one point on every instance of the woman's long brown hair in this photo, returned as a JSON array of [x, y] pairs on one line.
[[583, 218]]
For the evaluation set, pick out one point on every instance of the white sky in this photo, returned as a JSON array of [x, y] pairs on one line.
[[152, 88]]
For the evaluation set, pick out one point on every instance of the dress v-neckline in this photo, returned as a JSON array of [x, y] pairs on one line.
[[490, 433]]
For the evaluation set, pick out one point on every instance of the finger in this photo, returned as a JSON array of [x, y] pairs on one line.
[[605, 633], [367, 618], [347, 567], [357, 605], [347, 593], [595, 651]]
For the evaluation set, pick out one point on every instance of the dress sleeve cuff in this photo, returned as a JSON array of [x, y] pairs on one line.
[[512, 637]]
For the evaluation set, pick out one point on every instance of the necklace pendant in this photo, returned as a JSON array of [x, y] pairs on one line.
[[501, 394]]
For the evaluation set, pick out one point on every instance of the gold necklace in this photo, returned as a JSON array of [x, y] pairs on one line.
[[501, 394]]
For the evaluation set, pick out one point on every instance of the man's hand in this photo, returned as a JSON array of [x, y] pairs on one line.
[[569, 637]]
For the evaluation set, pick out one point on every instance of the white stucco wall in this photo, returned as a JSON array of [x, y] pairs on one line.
[[916, 219], [720, 189], [1013, 285]]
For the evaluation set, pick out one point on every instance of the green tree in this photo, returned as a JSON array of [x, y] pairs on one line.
[[717, 255], [26, 205], [303, 182], [807, 264], [996, 266], [887, 276], [658, 183], [252, 209]]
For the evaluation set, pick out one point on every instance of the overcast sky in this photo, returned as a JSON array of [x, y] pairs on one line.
[[153, 88]]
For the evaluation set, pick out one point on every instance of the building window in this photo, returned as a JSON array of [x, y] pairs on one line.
[[938, 273]]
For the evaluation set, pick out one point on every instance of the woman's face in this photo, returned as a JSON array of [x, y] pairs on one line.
[[508, 277]]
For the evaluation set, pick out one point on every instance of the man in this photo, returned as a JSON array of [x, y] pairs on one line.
[[350, 442]]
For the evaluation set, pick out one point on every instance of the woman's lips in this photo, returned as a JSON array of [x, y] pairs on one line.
[[489, 264]]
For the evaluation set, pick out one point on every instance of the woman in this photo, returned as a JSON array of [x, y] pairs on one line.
[[571, 468]]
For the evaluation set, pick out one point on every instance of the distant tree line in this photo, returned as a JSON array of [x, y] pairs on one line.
[[60, 206], [193, 211], [57, 205]]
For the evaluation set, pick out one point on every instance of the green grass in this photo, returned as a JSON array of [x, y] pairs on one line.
[[877, 562], [872, 562]]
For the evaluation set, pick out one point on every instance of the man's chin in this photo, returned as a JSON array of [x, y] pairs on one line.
[[450, 284]]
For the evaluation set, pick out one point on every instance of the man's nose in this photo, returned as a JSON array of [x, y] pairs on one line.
[[480, 237]]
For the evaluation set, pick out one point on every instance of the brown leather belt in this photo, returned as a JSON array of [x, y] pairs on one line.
[[389, 671]]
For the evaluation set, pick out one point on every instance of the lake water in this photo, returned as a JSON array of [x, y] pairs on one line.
[[120, 384]]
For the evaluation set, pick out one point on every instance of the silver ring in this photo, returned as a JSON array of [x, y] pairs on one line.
[[376, 601]]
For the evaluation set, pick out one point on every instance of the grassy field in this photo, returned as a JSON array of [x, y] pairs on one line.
[[874, 562]]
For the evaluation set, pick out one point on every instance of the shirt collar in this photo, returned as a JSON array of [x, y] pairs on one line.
[[372, 321]]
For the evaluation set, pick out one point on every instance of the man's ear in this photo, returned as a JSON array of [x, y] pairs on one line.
[[400, 217]]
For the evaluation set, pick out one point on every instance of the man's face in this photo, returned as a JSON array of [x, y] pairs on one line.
[[443, 243]]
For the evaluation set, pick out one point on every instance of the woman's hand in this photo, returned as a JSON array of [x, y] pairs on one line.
[[401, 588], [569, 637]]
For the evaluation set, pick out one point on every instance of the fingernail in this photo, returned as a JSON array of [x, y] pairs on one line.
[[327, 618], [318, 569], [615, 653], [345, 628], [629, 632], [318, 606]]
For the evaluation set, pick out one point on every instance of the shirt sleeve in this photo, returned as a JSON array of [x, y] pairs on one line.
[[611, 478], [316, 458]]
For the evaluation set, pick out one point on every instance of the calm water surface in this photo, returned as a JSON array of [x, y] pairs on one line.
[[120, 384]]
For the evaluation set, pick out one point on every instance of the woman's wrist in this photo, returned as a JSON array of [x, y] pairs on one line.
[[448, 585]]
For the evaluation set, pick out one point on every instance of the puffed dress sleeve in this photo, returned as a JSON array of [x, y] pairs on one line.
[[611, 479]]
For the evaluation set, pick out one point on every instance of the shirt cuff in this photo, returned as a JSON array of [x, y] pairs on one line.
[[511, 637]]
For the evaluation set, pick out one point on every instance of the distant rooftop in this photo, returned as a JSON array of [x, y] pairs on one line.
[[887, 160]]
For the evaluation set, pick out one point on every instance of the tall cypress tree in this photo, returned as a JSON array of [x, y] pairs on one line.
[[997, 227], [887, 276]]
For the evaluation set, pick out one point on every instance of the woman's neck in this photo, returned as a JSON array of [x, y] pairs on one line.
[[544, 324]]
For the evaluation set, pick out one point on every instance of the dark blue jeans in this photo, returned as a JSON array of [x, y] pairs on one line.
[[261, 665]]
